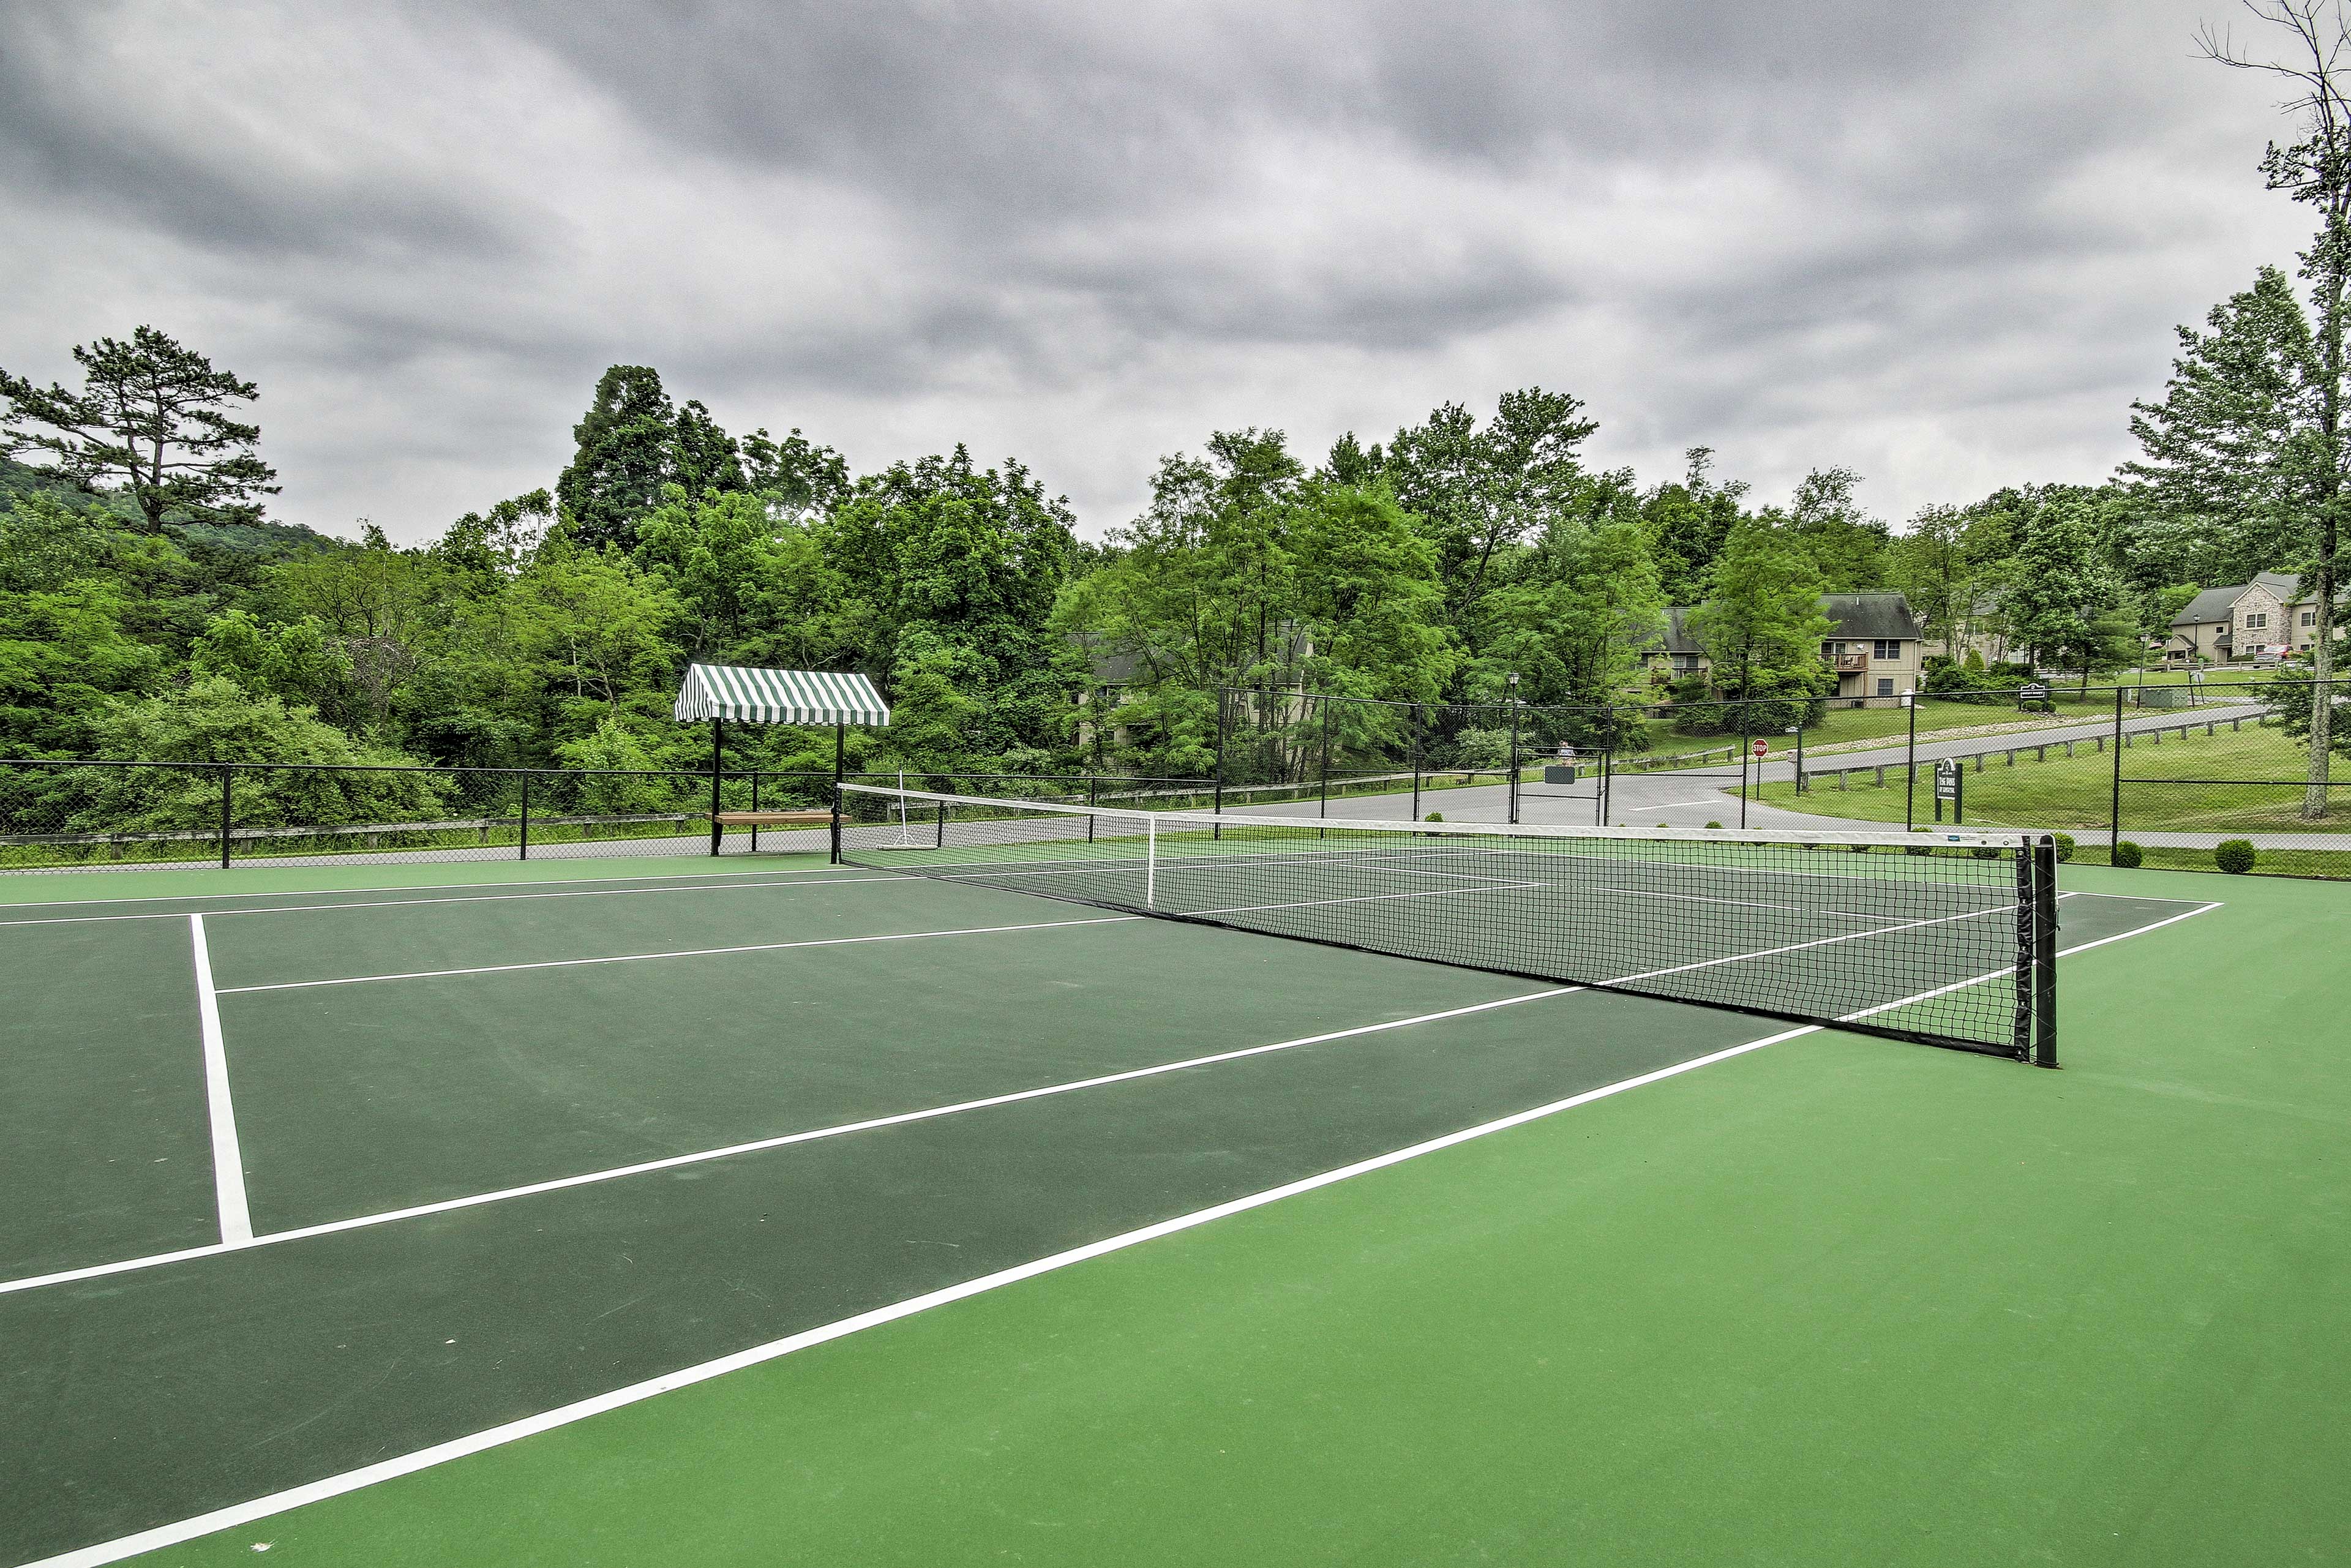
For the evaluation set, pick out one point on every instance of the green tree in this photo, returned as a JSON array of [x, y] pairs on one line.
[[153, 417], [1687, 523], [798, 479], [1479, 492], [296, 662], [65, 657], [1762, 624], [623, 457], [1930, 565], [44, 544], [1846, 544], [2063, 597], [1578, 628]]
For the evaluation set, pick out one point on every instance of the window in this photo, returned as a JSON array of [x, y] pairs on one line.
[[2254, 620], [2310, 617], [1887, 648], [1831, 649], [1886, 685]]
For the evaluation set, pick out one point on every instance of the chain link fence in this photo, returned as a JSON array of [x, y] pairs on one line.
[[2166, 771], [59, 815]]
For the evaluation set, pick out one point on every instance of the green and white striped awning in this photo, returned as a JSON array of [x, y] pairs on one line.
[[778, 696]]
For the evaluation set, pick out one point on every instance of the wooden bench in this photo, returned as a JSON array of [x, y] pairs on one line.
[[775, 819]]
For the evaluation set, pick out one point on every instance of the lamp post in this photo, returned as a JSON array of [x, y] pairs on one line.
[[1511, 681]]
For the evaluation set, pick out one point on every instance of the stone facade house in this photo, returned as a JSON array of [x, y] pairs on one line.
[[2244, 620]]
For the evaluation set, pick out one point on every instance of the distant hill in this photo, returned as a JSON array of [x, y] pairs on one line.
[[265, 539]]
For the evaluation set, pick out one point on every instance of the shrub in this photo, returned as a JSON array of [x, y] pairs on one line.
[[1434, 817], [2065, 845], [1710, 824], [2128, 853], [1989, 852], [2234, 855]]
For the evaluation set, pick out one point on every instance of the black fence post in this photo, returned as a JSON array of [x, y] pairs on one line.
[[1514, 813], [1223, 707], [1910, 767], [1325, 809], [1415, 723], [525, 819], [1746, 745], [717, 741], [2114, 806], [942, 842], [227, 774], [2045, 953]]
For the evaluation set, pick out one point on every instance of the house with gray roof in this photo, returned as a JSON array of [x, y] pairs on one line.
[[1875, 644], [2244, 620]]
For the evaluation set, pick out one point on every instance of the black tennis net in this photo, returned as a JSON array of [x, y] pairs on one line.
[[1946, 938]]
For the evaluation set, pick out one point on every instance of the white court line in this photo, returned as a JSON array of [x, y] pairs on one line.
[[785, 1140], [701, 1156], [731, 885], [683, 953], [564, 1416], [229, 1160], [395, 887]]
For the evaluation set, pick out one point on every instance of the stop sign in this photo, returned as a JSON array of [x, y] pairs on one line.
[[1762, 746]]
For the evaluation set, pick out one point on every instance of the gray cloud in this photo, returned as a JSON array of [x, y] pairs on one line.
[[1944, 247]]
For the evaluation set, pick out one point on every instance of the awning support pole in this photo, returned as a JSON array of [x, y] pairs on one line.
[[718, 742]]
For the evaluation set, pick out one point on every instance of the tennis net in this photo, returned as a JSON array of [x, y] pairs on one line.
[[1946, 938]]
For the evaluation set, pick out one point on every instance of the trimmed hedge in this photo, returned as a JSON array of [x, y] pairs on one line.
[[2128, 853], [2234, 855]]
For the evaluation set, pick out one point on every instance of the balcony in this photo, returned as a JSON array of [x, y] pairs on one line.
[[1852, 663]]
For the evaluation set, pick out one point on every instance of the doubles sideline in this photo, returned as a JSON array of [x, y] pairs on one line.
[[563, 1416]]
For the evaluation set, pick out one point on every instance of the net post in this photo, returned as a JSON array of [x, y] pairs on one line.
[[1150, 862], [2045, 953], [225, 776], [718, 742], [2114, 806], [525, 819]]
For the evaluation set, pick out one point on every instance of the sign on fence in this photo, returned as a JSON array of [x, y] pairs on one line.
[[1946, 780], [2032, 692]]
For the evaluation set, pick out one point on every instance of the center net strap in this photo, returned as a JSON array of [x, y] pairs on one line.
[[1921, 936]]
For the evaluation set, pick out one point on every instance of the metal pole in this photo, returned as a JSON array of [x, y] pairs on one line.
[[1325, 809], [525, 819], [1746, 744], [1223, 706], [1959, 793], [1514, 754], [1415, 722], [717, 741], [755, 811], [225, 776], [1800, 751], [2114, 807], [1092, 784], [1910, 768], [943, 825]]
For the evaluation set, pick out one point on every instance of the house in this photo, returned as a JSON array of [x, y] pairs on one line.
[[1875, 644], [2268, 615]]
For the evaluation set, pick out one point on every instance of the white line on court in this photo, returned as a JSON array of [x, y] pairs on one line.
[[564, 1416], [229, 1160], [731, 885], [684, 953], [785, 1140], [400, 886], [99, 1270]]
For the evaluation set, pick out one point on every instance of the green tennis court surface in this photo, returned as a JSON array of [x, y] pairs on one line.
[[810, 1213]]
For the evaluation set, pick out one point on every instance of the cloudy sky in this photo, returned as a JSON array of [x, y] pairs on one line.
[[1944, 246]]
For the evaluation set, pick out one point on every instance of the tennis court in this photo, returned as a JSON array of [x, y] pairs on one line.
[[785, 1210]]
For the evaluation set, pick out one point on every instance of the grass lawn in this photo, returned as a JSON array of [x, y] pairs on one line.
[[2078, 792]]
